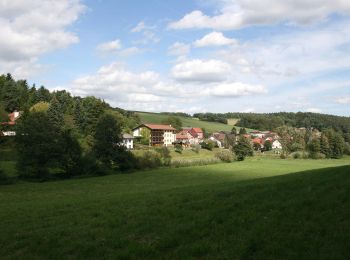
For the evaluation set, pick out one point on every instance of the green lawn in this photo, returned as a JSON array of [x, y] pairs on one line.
[[186, 122], [256, 209]]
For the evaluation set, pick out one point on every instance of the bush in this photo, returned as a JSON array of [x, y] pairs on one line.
[[149, 160], [317, 156], [296, 155], [194, 162], [283, 156], [225, 156], [178, 148], [3, 177], [196, 148], [165, 156], [208, 145], [89, 166]]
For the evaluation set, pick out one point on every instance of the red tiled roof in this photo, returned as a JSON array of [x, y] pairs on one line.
[[160, 127], [197, 129], [257, 140]]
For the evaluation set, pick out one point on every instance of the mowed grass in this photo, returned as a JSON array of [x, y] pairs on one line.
[[256, 209], [186, 122]]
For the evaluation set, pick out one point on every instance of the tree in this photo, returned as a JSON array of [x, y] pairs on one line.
[[55, 113], [268, 145], [314, 148], [242, 131], [243, 148], [174, 121], [40, 107], [234, 130], [324, 146], [38, 145], [165, 155], [71, 154], [107, 140], [256, 146]]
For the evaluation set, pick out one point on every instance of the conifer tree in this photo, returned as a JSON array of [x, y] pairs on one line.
[[55, 113]]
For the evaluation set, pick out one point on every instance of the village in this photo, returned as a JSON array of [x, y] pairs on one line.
[[157, 135]]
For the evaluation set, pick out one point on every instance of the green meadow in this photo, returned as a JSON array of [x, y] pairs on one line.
[[210, 127], [262, 208]]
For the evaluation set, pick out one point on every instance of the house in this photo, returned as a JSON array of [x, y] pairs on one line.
[[156, 135], [197, 132], [8, 125], [258, 141], [185, 137], [128, 141], [276, 145]]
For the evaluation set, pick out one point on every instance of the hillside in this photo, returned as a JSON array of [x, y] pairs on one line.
[[257, 209], [186, 121]]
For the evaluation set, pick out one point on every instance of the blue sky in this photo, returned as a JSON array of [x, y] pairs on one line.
[[189, 56]]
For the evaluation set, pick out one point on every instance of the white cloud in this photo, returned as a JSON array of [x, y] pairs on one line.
[[201, 71], [179, 49], [235, 14], [235, 89], [148, 33], [110, 46], [343, 100], [141, 26], [129, 51], [30, 29], [314, 110], [214, 39]]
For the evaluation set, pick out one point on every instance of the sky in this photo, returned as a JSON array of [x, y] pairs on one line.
[[185, 55]]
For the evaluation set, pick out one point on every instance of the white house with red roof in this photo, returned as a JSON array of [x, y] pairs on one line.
[[187, 136], [159, 135], [197, 132], [12, 121]]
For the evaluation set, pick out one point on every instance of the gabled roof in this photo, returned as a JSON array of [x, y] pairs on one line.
[[197, 130], [157, 127]]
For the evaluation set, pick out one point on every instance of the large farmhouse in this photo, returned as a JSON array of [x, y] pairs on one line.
[[157, 135]]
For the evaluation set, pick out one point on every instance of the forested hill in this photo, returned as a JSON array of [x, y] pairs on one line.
[[269, 121]]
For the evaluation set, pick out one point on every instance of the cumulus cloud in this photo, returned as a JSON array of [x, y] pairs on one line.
[[214, 39], [235, 14], [201, 71], [31, 28], [110, 46], [235, 89], [179, 49]]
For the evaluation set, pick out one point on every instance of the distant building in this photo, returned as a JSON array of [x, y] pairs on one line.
[[158, 135], [128, 141], [197, 132], [276, 145], [9, 125]]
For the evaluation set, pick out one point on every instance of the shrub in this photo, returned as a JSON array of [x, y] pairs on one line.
[[178, 148], [283, 156], [225, 156], [194, 162], [150, 159], [296, 155], [196, 148], [3, 177], [209, 145], [165, 156]]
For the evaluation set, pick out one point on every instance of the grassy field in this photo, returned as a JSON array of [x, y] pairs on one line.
[[256, 209], [186, 122]]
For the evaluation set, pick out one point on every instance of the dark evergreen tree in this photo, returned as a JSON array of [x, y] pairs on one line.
[[314, 148], [243, 148], [324, 146], [38, 145], [234, 130], [242, 131], [55, 113], [107, 140]]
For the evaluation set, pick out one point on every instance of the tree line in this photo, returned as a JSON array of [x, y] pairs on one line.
[[60, 135]]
